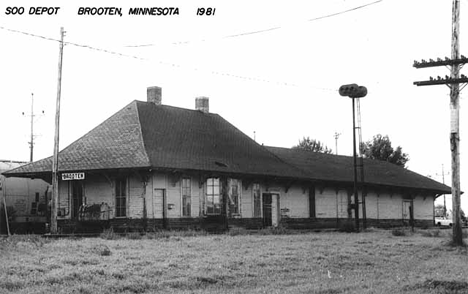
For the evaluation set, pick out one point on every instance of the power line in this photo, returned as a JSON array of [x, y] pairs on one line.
[[263, 30], [70, 43], [309, 20], [218, 73]]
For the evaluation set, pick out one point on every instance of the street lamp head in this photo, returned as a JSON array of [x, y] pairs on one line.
[[353, 91]]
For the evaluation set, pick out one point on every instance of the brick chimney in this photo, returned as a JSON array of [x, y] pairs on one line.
[[202, 104], [154, 95]]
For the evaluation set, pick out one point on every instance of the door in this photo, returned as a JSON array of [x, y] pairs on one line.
[[267, 209], [407, 212], [158, 206], [76, 189]]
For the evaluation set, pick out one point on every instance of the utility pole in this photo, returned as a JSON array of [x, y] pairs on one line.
[[443, 182], [31, 147], [337, 135], [31, 142], [454, 80], [55, 179]]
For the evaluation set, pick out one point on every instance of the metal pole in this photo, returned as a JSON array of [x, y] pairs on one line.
[[32, 129], [53, 218], [337, 135], [455, 125], [443, 182], [356, 198]]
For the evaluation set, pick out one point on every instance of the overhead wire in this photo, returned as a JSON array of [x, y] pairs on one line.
[[263, 30], [255, 79], [197, 69], [70, 43]]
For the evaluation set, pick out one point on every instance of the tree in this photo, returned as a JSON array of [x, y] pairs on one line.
[[380, 148], [312, 145], [440, 211]]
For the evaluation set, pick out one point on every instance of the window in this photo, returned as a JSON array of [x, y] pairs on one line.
[[234, 197], [186, 197], [213, 204], [257, 200], [121, 197]]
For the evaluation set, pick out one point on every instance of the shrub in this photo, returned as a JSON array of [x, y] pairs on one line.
[[398, 232], [431, 233], [347, 227]]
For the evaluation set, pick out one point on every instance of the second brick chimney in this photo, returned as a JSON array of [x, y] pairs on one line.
[[154, 95], [202, 104]]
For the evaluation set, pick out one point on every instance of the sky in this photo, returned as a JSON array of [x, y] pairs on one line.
[[271, 68]]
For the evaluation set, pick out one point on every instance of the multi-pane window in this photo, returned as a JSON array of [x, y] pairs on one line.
[[121, 197], [234, 197], [213, 203], [186, 197], [257, 199]]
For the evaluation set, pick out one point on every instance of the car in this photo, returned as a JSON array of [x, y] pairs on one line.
[[443, 221]]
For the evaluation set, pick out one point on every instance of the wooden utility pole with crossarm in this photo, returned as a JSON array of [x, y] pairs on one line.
[[453, 82]]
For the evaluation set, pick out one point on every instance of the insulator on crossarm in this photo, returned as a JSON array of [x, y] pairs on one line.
[[463, 76], [463, 57], [447, 59], [446, 77], [423, 61], [438, 59], [439, 78], [431, 60], [431, 78]]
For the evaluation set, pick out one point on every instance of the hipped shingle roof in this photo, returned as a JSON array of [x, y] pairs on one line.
[[335, 168], [143, 135]]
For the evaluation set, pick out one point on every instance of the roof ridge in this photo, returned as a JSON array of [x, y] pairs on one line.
[[141, 132], [177, 107]]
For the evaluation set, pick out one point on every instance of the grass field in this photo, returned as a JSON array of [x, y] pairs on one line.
[[376, 261]]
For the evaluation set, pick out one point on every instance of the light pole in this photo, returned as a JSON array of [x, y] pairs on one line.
[[354, 91]]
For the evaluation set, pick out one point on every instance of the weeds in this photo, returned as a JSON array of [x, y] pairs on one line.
[[134, 236], [431, 233], [297, 263], [440, 286], [399, 232], [109, 234], [27, 241], [347, 227], [275, 231], [237, 232]]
